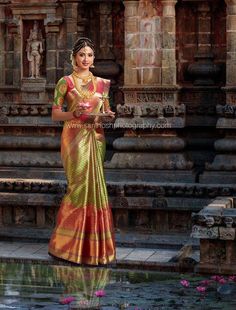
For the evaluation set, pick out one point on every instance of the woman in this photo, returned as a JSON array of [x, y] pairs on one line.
[[84, 229]]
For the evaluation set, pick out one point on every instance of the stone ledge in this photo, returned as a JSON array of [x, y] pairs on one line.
[[124, 238], [215, 226]]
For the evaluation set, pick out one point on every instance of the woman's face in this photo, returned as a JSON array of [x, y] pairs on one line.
[[84, 58]]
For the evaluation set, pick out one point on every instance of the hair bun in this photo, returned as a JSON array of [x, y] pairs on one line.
[[82, 42]]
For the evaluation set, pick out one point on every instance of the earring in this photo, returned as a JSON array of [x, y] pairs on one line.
[[92, 66]]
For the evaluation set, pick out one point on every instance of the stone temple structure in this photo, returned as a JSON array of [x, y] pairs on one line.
[[173, 146]]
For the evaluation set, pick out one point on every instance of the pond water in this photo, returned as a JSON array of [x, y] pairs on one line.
[[31, 287]]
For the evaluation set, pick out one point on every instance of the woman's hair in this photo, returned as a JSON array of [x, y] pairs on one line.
[[80, 43]]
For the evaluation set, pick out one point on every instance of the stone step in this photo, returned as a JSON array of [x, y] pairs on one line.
[[131, 258], [124, 238]]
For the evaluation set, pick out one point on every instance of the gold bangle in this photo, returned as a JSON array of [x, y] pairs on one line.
[[75, 115]]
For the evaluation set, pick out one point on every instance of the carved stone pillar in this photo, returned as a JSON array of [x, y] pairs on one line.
[[105, 64], [51, 55], [231, 43], [69, 34], [169, 43], [151, 113], [204, 71], [2, 44], [223, 168]]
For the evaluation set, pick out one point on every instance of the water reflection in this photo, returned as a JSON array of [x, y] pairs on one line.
[[45, 284], [82, 283], [31, 287]]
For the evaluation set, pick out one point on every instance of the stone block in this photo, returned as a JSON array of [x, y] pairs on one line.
[[204, 232], [147, 41], [131, 8], [169, 8], [169, 76], [71, 26], [168, 24], [150, 25], [149, 58], [9, 60], [152, 76], [51, 59], [9, 43], [7, 213], [231, 22], [189, 52], [204, 40], [179, 221], [213, 251], [51, 76], [189, 39], [68, 11], [61, 59], [231, 41], [51, 39], [16, 77], [168, 40], [9, 76], [131, 25], [204, 25], [132, 40], [140, 254], [70, 39], [131, 76], [121, 218], [231, 254], [227, 233], [231, 73], [168, 57]]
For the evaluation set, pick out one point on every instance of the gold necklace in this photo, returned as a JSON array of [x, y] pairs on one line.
[[85, 94], [85, 79]]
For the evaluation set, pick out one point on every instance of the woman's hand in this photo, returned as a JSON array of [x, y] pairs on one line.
[[80, 109], [111, 114]]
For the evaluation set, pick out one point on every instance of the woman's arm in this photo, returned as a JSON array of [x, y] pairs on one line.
[[59, 97], [58, 115]]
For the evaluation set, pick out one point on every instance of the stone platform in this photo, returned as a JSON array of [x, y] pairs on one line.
[[158, 259]]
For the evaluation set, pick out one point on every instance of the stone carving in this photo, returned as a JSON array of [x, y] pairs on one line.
[[23, 110], [147, 8], [227, 233], [204, 232], [151, 110], [159, 203], [226, 110], [34, 51], [3, 115]]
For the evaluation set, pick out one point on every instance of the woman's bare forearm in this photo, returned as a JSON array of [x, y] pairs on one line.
[[58, 115]]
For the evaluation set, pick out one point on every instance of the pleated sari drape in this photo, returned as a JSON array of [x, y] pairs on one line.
[[84, 231]]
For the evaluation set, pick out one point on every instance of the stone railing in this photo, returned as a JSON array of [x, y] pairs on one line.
[[215, 226]]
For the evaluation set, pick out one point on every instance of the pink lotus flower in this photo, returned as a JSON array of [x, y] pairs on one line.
[[216, 278], [201, 289], [184, 283], [100, 293], [222, 281], [67, 300], [232, 278], [205, 282]]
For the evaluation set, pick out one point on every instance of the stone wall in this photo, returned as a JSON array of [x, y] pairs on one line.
[[171, 64]]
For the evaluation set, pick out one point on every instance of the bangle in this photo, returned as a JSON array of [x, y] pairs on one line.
[[75, 114]]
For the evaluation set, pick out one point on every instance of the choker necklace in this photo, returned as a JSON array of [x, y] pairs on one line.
[[85, 93], [84, 79]]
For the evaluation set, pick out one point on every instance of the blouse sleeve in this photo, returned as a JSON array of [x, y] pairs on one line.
[[59, 93], [106, 95]]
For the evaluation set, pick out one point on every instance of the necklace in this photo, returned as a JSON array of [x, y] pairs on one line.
[[85, 93], [84, 79]]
